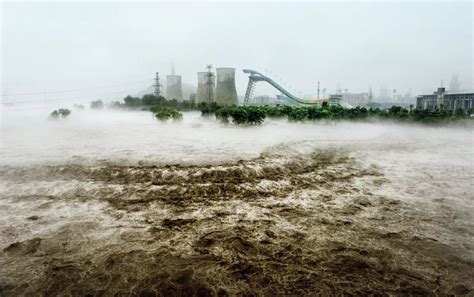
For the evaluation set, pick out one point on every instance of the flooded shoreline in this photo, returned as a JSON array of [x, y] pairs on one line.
[[330, 210]]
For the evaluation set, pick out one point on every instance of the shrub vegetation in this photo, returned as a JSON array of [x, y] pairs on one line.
[[62, 112], [254, 115], [241, 115], [149, 101], [98, 104], [166, 113]]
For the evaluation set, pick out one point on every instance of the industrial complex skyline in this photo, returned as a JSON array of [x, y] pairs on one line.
[[403, 46]]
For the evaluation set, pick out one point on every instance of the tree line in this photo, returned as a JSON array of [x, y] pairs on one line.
[[149, 101], [255, 115]]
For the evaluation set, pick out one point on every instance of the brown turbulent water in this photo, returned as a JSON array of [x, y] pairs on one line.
[[390, 216]]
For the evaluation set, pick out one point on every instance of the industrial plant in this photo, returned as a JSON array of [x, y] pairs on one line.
[[173, 87], [210, 88], [226, 93], [441, 99], [220, 87], [206, 86]]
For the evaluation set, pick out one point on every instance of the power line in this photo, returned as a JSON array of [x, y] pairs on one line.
[[55, 99], [8, 84], [158, 85], [68, 91]]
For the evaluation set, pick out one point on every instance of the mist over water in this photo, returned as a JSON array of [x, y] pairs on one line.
[[116, 202], [117, 136], [30, 137]]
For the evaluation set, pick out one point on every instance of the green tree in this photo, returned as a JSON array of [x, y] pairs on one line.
[[132, 102], [165, 113], [98, 104], [62, 112], [298, 114], [459, 112], [314, 113], [152, 100]]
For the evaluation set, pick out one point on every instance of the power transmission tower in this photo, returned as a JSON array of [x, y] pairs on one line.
[[157, 85], [210, 83]]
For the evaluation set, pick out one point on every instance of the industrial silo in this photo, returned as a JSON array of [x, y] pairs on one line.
[[206, 87], [173, 87], [226, 93]]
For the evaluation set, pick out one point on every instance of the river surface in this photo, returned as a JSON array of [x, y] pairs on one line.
[[117, 203]]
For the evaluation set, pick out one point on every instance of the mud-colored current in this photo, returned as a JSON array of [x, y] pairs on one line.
[[116, 204]]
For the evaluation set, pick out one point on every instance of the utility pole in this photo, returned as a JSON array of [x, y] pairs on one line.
[[370, 94], [157, 85], [318, 89], [209, 83]]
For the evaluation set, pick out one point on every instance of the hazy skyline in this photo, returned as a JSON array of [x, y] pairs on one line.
[[108, 50]]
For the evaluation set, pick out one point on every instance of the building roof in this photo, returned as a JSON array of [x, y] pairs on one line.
[[461, 93], [448, 93]]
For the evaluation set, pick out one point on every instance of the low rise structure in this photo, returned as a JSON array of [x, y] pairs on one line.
[[262, 100], [446, 100], [356, 99]]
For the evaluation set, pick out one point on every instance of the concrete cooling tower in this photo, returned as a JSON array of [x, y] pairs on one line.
[[226, 94], [204, 88], [173, 87]]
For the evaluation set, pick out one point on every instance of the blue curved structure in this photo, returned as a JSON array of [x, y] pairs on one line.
[[256, 76]]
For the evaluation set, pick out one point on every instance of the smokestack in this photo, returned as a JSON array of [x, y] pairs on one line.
[[205, 92], [226, 94], [173, 87]]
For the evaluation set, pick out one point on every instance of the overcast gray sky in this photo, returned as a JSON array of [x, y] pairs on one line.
[[107, 50]]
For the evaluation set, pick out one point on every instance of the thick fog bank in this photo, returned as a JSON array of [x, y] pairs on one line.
[[29, 137]]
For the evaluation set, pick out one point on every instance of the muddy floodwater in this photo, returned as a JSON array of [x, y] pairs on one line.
[[118, 204]]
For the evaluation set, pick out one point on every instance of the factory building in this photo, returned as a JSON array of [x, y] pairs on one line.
[[335, 99], [206, 87], [262, 100], [356, 99], [441, 99], [173, 87], [226, 94]]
